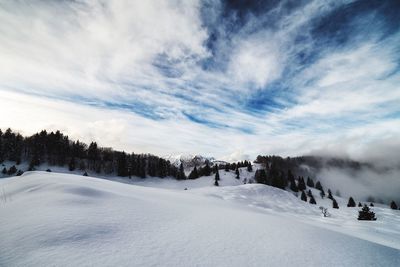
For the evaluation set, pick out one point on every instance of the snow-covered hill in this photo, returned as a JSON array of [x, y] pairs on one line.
[[50, 219]]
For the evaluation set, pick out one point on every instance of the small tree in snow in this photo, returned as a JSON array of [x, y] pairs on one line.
[[330, 194], [303, 196], [324, 211], [393, 205], [365, 214], [351, 202], [359, 204], [334, 204], [237, 173], [312, 200]]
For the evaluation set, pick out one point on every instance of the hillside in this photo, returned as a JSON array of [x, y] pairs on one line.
[[70, 220]]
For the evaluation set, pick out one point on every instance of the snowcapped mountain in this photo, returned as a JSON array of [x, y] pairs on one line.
[[189, 161]]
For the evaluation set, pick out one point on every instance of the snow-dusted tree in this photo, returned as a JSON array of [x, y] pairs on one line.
[[366, 214], [322, 193], [351, 202], [393, 205], [293, 186], [194, 174], [359, 204], [181, 173]]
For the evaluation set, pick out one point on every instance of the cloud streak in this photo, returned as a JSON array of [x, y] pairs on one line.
[[211, 77]]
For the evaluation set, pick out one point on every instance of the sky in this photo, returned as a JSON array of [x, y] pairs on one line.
[[229, 79]]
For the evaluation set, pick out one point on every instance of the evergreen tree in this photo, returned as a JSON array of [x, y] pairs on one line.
[[216, 180], [393, 205], [217, 176], [366, 214], [351, 202], [330, 194], [310, 182], [293, 186], [303, 196], [249, 167], [359, 204], [261, 176], [194, 174], [301, 184], [318, 186], [237, 173], [371, 205], [334, 204], [4, 171], [309, 193], [181, 173], [322, 193], [207, 169], [312, 200]]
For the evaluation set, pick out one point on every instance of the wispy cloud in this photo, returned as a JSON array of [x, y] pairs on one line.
[[210, 77]]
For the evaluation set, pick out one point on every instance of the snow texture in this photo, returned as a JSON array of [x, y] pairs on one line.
[[53, 219]]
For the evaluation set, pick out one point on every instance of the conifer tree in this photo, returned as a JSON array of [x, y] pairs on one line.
[[393, 205], [301, 184], [359, 204], [371, 205], [322, 193], [4, 171], [249, 167], [366, 214], [351, 202], [334, 204], [293, 186], [309, 193], [310, 182], [303, 196], [312, 200], [237, 173], [318, 186], [330, 194], [194, 174], [71, 164], [217, 176], [181, 173]]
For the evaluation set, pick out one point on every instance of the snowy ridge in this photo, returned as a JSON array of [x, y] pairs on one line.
[[70, 220]]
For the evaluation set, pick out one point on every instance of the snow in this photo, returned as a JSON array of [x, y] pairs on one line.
[[53, 219]]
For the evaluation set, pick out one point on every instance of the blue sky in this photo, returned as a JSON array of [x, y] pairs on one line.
[[231, 79]]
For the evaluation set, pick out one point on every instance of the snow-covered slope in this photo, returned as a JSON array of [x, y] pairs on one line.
[[50, 219]]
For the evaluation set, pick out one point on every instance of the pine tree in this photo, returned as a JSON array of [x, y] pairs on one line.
[[310, 182], [237, 173], [312, 200], [249, 167], [217, 176], [330, 194], [371, 205], [293, 186], [303, 196], [393, 205], [318, 186], [359, 204], [334, 204], [322, 193], [309, 193], [4, 171], [194, 174], [207, 169], [301, 184], [366, 214], [351, 202], [181, 173]]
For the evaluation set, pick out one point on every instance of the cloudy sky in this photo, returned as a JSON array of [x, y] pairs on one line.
[[222, 78]]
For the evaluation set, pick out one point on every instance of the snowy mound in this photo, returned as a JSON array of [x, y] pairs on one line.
[[50, 219]]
